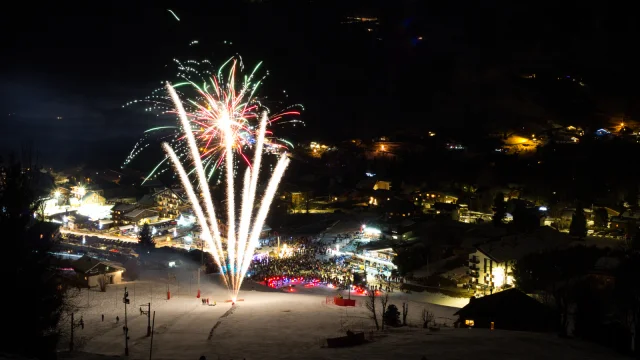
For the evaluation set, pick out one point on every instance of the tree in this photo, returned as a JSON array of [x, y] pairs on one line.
[[145, 240], [409, 258], [427, 318], [384, 300], [392, 316], [210, 266], [370, 303], [600, 217], [627, 294], [556, 272], [578, 227], [405, 312], [499, 209], [102, 283], [29, 270], [525, 219], [132, 269]]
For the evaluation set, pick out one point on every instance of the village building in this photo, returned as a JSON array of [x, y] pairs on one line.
[[118, 212], [140, 216], [507, 310], [491, 264], [168, 202], [90, 272]]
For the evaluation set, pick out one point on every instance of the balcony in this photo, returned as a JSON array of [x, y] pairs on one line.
[[473, 274], [474, 267], [474, 260]]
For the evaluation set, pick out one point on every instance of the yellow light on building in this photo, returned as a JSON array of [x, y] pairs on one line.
[[469, 322], [499, 277]]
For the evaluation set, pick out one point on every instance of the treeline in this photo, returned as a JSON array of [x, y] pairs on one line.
[[34, 295], [595, 292]]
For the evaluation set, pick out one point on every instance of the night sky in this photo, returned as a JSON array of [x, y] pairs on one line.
[[83, 60]]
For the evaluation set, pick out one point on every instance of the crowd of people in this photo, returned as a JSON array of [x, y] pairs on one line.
[[307, 260], [311, 259]]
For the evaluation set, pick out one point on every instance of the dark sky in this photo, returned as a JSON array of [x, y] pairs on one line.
[[84, 60]]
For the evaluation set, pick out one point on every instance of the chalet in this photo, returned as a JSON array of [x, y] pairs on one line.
[[491, 265], [508, 310], [627, 221], [447, 210], [45, 230], [140, 216], [118, 212], [399, 208], [432, 197], [120, 194], [92, 198], [166, 201], [90, 271], [403, 229]]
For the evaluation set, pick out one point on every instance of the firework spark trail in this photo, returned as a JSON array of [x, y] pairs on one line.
[[197, 209], [247, 205], [231, 205], [202, 178], [174, 14], [269, 194], [247, 212], [248, 234]]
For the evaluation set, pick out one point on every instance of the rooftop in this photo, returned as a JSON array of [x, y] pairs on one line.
[[123, 207], [86, 263], [514, 247], [141, 213]]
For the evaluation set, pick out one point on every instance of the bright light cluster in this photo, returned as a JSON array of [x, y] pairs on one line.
[[234, 253], [203, 88]]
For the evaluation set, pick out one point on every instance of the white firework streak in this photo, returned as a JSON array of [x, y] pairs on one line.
[[195, 154], [253, 238], [249, 193], [197, 209], [231, 204], [246, 239]]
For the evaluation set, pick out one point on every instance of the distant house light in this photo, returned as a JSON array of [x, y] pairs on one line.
[[542, 208]]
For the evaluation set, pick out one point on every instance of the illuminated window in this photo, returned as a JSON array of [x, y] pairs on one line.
[[469, 322]]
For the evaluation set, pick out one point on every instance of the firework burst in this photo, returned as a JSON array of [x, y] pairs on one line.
[[232, 251], [228, 93]]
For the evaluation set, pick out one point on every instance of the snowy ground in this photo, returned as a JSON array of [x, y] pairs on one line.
[[273, 323]]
